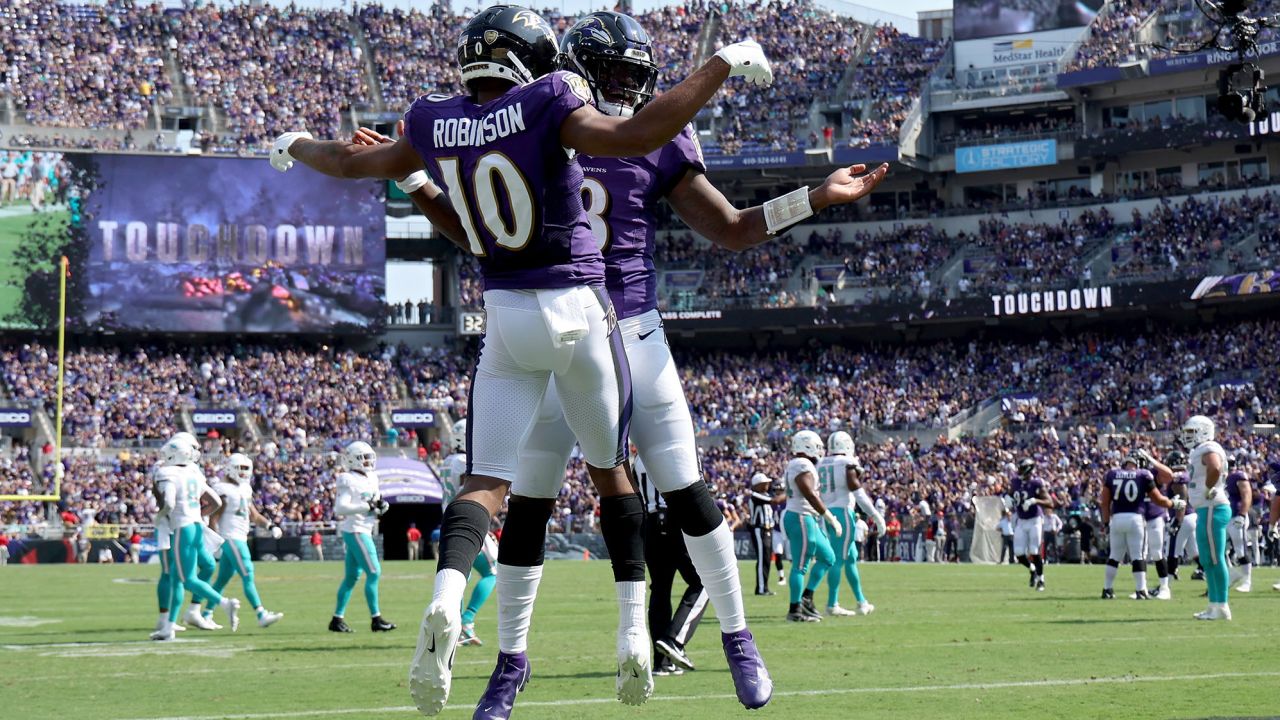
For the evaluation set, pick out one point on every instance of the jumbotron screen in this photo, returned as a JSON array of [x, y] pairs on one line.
[[976, 19], [181, 244]]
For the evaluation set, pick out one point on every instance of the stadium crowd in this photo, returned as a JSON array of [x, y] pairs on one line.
[[744, 406]]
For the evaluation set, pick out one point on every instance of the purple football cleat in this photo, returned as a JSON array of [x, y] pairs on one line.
[[750, 677], [508, 678]]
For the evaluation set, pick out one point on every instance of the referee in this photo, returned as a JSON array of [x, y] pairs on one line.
[[762, 523], [665, 554]]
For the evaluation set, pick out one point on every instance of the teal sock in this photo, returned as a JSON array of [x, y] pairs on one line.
[[371, 593], [479, 596], [833, 589], [855, 579]]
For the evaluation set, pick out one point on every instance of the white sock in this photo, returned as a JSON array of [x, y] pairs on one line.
[[517, 588], [195, 608], [630, 605], [1246, 572], [1164, 582], [717, 565], [1110, 582], [1140, 580], [449, 587]]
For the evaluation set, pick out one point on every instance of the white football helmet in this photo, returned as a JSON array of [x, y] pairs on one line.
[[181, 449], [459, 442], [839, 443], [808, 443], [1196, 431], [359, 457], [239, 469]]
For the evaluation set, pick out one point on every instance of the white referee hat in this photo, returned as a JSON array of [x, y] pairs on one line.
[[760, 479]]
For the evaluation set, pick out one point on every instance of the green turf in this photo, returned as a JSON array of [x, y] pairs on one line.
[[12, 230], [945, 642]]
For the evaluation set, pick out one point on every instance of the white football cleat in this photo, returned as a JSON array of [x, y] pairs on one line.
[[1163, 594], [193, 618], [164, 634], [837, 611], [1244, 587], [1203, 614], [179, 628], [1217, 612], [866, 608], [1276, 587], [635, 666], [431, 672], [268, 618], [232, 606]]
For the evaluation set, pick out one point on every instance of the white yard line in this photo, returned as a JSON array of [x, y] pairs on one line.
[[1064, 682]]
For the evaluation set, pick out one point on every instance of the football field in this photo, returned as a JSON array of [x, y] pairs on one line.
[[955, 641]]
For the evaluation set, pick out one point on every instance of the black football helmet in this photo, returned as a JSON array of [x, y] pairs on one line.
[[1026, 466], [615, 56], [507, 42], [1176, 460]]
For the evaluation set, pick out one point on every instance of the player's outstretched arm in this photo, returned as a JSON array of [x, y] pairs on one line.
[[589, 131], [710, 214], [429, 199], [338, 158]]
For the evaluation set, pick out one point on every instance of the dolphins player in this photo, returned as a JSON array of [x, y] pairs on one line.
[[838, 478], [808, 542], [1207, 471], [455, 467], [183, 488], [358, 506], [232, 523]]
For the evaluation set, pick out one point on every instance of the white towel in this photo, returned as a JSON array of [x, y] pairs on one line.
[[563, 312]]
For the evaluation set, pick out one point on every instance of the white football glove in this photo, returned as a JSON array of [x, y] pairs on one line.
[[381, 507], [276, 532], [1178, 504], [1240, 522], [1275, 531], [835, 524], [1028, 504], [881, 528], [280, 157], [1145, 457], [746, 60], [1214, 493]]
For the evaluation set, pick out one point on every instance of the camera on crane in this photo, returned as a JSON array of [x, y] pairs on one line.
[[1242, 85], [1242, 92]]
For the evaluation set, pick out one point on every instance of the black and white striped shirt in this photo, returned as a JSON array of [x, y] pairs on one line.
[[653, 500], [761, 504]]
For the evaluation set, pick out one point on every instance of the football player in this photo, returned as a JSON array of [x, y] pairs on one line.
[[808, 542], [501, 155], [1030, 498], [455, 468], [164, 586], [231, 523], [183, 488], [1157, 538], [1274, 483], [1240, 496], [358, 505], [1184, 542], [838, 477], [1123, 490], [1207, 471]]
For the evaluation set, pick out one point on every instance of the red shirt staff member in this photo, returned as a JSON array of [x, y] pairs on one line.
[[415, 541]]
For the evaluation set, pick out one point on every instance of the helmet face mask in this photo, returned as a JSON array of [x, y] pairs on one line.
[[613, 53], [359, 457], [1196, 431], [239, 469]]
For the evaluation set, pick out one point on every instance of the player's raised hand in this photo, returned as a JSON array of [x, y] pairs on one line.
[[280, 157], [746, 60], [367, 136], [848, 185]]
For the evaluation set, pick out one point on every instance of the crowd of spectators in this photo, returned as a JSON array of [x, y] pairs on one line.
[[886, 82], [809, 48], [1006, 257], [1203, 229], [1073, 392], [88, 66]]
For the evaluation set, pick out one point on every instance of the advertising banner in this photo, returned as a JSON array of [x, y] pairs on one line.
[[1006, 156], [15, 417], [1016, 50], [214, 417], [413, 417], [181, 244], [401, 480]]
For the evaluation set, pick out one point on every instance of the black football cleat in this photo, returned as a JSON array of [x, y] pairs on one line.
[[339, 625], [1040, 585], [1198, 574], [1140, 595], [807, 607], [1108, 594], [380, 625], [1032, 582]]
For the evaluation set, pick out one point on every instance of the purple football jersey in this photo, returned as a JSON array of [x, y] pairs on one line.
[[1233, 492], [1128, 488], [517, 190], [1152, 511], [620, 195], [1023, 490]]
